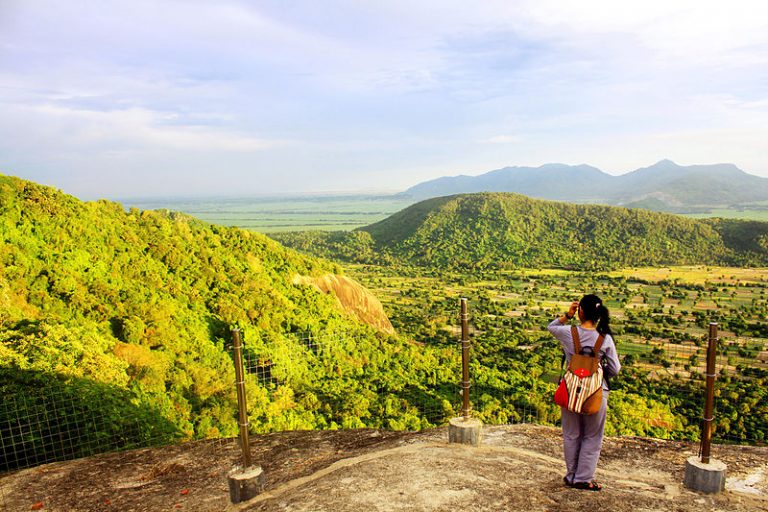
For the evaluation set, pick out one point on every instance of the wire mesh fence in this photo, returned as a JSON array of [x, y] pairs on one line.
[[56, 420], [328, 367], [662, 370], [57, 424], [680, 366], [740, 365], [48, 418]]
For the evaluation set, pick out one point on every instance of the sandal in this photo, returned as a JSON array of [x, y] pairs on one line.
[[566, 482], [587, 486]]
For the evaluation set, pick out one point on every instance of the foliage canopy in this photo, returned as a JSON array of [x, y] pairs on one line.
[[141, 303], [503, 230]]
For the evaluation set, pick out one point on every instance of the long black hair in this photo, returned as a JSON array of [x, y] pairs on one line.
[[595, 311]]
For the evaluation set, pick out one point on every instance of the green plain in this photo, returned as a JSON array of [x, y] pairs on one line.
[[761, 214], [272, 215]]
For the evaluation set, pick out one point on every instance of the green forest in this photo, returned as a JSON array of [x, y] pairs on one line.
[[125, 316], [500, 230], [136, 307]]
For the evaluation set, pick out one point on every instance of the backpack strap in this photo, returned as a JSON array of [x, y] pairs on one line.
[[598, 344], [576, 343]]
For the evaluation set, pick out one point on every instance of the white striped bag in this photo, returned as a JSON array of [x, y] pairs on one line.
[[581, 387]]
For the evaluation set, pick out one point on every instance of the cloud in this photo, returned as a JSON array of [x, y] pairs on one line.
[[139, 128], [65, 131], [336, 89]]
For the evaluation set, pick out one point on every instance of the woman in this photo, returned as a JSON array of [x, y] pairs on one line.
[[583, 434]]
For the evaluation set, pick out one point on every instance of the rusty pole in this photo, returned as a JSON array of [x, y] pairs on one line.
[[465, 358], [709, 405], [242, 404]]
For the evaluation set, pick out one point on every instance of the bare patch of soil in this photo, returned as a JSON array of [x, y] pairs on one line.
[[517, 467]]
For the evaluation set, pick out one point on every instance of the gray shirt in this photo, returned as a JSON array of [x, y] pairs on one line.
[[588, 338]]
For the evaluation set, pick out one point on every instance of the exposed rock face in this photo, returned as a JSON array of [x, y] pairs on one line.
[[353, 299]]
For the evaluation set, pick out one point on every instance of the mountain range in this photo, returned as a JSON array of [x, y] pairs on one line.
[[664, 186]]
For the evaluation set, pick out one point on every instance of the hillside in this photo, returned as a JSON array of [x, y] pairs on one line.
[[518, 467], [664, 186], [500, 230], [125, 317]]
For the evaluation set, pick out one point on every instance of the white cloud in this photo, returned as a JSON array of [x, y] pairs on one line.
[[131, 130], [140, 128], [392, 85]]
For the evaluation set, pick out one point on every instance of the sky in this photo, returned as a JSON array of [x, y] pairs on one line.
[[157, 98]]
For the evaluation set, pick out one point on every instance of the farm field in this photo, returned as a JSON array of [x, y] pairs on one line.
[[760, 214], [696, 275], [273, 215], [649, 307]]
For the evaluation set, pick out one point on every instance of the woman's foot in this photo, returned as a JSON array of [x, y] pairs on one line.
[[587, 486]]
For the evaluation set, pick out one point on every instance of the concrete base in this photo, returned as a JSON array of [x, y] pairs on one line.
[[245, 484], [465, 432], [707, 478]]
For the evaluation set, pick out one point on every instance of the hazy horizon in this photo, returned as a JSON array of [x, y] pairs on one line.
[[326, 194]]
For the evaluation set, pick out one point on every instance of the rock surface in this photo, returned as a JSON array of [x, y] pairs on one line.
[[516, 468], [353, 298]]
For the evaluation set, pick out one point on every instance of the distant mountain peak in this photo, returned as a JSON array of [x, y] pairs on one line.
[[675, 187], [661, 166], [556, 165]]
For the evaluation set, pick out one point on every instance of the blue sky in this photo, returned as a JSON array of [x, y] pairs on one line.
[[144, 98]]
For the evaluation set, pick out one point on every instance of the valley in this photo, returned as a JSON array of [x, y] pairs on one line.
[[696, 191], [280, 214]]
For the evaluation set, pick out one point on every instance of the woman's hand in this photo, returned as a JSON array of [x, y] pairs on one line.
[[570, 313], [573, 309]]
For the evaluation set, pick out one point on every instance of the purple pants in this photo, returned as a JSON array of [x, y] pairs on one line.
[[582, 440]]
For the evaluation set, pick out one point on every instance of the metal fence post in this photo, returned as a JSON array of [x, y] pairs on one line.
[[707, 475], [465, 430], [465, 383], [709, 404], [242, 404]]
